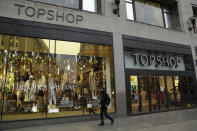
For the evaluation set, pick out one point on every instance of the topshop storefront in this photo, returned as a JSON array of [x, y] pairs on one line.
[[159, 76], [51, 71]]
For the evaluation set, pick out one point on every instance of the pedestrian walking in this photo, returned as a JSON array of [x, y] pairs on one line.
[[105, 101]]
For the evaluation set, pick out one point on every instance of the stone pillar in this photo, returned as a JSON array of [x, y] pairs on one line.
[[121, 107]]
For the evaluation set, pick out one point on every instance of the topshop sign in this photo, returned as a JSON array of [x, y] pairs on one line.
[[143, 60], [47, 14], [158, 61]]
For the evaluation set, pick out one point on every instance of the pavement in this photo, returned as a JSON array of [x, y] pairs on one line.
[[182, 120]]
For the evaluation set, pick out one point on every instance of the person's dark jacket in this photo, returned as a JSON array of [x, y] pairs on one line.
[[105, 100]]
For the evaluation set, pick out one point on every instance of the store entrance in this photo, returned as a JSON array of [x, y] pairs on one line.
[[155, 93]]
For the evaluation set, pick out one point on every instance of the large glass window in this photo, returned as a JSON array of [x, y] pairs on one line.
[[149, 12], [90, 5], [42, 78], [87, 5], [162, 14]]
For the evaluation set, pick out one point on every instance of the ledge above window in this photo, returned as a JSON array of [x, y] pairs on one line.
[[93, 6]]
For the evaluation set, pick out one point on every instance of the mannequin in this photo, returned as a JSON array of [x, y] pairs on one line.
[[64, 80], [29, 92], [19, 92], [92, 84], [52, 87], [41, 85], [52, 95]]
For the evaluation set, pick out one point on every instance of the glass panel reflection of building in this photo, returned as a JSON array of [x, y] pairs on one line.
[[49, 78]]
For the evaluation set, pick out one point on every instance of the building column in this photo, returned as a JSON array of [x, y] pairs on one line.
[[121, 107]]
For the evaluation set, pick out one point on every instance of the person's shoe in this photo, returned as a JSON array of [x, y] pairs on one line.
[[112, 122], [101, 124]]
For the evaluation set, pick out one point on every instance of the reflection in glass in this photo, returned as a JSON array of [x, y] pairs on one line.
[[49, 78], [90, 5], [169, 21], [170, 92], [129, 9]]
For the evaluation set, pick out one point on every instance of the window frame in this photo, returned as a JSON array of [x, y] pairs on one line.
[[80, 8], [162, 5], [195, 47], [133, 6], [194, 7]]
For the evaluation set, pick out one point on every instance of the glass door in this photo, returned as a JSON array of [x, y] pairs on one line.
[[135, 95], [178, 91], [145, 95], [154, 93], [161, 93], [170, 93]]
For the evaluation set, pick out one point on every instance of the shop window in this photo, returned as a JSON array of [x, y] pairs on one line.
[[86, 5], [129, 9], [194, 10], [90, 5], [164, 14], [42, 78], [148, 12]]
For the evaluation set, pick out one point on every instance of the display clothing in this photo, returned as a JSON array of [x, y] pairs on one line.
[[92, 85], [10, 82], [92, 82], [53, 91], [29, 90], [41, 85]]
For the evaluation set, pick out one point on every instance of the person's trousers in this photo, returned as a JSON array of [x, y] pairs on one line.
[[104, 111]]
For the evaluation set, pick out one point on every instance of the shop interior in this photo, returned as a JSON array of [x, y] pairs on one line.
[[159, 93]]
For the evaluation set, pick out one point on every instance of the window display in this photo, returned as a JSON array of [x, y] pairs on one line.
[[49, 78]]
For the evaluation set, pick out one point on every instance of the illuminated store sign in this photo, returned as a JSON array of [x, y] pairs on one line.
[[158, 61], [48, 14], [152, 61]]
